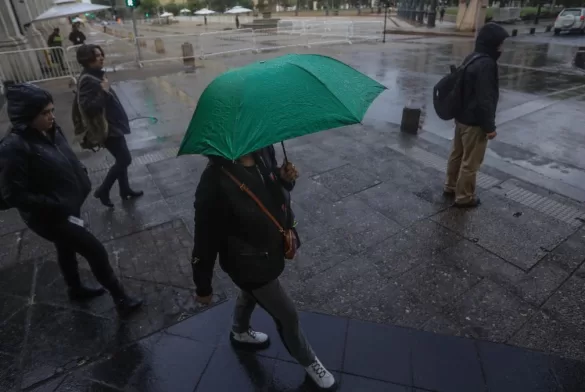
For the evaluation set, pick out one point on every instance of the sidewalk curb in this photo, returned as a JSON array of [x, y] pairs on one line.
[[430, 33]]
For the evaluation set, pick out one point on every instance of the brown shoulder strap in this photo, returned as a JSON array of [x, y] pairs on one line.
[[244, 188]]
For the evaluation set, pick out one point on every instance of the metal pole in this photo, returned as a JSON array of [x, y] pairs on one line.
[[139, 59], [385, 19]]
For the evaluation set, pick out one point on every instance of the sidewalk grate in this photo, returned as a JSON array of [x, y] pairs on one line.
[[553, 208], [145, 159]]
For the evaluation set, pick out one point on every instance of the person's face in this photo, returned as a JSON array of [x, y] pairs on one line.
[[99, 59], [45, 120]]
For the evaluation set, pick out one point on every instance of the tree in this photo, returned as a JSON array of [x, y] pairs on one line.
[[149, 6]]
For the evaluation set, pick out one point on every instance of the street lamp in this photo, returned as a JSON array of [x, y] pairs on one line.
[[385, 19]]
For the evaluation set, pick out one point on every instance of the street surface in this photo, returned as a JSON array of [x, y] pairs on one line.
[[380, 244]]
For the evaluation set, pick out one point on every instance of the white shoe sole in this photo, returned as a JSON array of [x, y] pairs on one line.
[[249, 345]]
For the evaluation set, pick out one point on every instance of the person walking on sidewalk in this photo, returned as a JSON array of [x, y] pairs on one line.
[[42, 178], [441, 14], [229, 222], [95, 95], [475, 124], [76, 36]]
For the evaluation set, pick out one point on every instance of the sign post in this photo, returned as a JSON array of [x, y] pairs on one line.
[[132, 4]]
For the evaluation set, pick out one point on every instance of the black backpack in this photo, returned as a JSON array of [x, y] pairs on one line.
[[448, 92]]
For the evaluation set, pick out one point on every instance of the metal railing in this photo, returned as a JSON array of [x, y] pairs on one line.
[[35, 65]]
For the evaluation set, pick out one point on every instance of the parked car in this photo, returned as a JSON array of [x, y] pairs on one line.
[[570, 19]]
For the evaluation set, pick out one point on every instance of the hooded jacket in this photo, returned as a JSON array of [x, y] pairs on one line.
[[39, 175], [480, 83], [230, 224]]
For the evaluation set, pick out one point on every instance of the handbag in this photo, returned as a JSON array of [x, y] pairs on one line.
[[290, 238]]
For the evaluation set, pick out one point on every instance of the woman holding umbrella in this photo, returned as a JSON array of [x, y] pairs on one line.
[[242, 202]]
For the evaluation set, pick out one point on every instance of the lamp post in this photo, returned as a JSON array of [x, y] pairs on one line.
[[385, 19]]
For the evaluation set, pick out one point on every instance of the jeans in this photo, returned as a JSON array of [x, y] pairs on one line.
[[71, 239], [117, 146], [276, 302]]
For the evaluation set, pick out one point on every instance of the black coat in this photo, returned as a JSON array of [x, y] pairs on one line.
[[93, 100], [230, 224], [41, 176], [480, 83]]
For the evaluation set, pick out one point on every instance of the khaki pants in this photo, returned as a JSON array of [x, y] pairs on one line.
[[466, 157]]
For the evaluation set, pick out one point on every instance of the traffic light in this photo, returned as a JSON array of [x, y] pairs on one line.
[[132, 3]]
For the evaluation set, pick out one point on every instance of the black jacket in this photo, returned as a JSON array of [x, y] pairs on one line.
[[77, 37], [230, 224], [93, 99], [41, 177], [480, 83]]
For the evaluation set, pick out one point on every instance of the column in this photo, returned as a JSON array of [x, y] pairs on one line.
[[25, 17]]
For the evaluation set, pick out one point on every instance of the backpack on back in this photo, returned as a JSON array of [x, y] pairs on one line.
[[448, 92], [93, 131]]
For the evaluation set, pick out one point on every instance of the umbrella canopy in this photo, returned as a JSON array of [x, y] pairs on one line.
[[204, 11], [165, 15], [185, 10], [63, 8], [238, 10], [252, 107]]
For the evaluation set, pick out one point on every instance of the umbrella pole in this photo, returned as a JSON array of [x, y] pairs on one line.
[[284, 151]]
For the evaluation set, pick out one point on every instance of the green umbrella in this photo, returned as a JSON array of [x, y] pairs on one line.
[[263, 103]]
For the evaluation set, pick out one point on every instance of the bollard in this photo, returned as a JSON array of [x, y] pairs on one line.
[[548, 28], [514, 33], [410, 120], [159, 46], [532, 30], [188, 56], [579, 61]]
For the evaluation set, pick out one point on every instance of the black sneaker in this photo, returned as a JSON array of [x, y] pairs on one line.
[[83, 293]]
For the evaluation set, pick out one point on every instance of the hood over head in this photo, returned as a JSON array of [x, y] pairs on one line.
[[25, 102], [489, 38]]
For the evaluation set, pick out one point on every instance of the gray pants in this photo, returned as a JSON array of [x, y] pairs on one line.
[[276, 302]]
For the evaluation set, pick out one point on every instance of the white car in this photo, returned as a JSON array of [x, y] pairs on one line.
[[570, 19]]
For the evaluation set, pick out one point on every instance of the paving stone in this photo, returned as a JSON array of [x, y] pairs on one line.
[[10, 222], [570, 374], [544, 332], [79, 336], [9, 245], [311, 160], [160, 255], [397, 204], [178, 175], [412, 247], [353, 383], [445, 363], [310, 195], [34, 246], [13, 331], [208, 327], [442, 325], [108, 224], [437, 285], [568, 303], [490, 311], [248, 372], [508, 369], [378, 352], [72, 383], [8, 372], [521, 240], [541, 282], [51, 385], [17, 279], [570, 254], [346, 180]]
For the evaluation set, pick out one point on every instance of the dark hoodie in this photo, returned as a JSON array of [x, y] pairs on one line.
[[480, 83], [39, 175]]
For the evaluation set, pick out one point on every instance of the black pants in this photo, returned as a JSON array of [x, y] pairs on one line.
[[71, 239], [117, 146]]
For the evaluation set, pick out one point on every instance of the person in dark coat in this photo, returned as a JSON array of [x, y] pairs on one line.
[[55, 41], [95, 95], [441, 14], [42, 178], [76, 36], [229, 223], [476, 124]]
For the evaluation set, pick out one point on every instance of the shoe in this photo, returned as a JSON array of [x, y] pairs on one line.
[[103, 198], [448, 194], [472, 204], [126, 305], [131, 195], [250, 339], [321, 376], [83, 293]]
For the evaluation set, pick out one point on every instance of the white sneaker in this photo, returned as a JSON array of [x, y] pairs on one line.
[[250, 339], [320, 375]]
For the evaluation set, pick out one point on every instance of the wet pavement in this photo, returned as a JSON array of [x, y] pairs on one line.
[[380, 245]]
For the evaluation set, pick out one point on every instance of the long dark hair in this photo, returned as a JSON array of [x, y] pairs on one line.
[[86, 54]]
